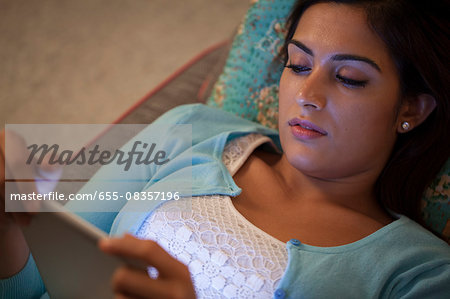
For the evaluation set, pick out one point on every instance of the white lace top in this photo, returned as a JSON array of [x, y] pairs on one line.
[[228, 256]]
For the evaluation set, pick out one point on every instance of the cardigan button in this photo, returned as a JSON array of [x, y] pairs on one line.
[[295, 242], [280, 294]]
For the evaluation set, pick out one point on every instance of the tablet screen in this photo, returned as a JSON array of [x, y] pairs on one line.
[[65, 249]]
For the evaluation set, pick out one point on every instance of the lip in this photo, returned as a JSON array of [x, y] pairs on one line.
[[304, 129]]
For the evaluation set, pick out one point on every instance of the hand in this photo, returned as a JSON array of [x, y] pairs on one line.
[[17, 168], [174, 280], [13, 247]]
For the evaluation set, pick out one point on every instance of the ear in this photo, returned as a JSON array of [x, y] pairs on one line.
[[414, 111]]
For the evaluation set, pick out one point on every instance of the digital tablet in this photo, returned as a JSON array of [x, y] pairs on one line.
[[66, 253]]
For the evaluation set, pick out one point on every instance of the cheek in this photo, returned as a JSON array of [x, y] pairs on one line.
[[283, 95], [369, 109], [282, 87], [288, 88], [373, 123]]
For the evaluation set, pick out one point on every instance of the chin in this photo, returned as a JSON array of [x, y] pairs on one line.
[[318, 168]]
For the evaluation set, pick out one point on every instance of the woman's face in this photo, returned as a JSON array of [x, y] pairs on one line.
[[339, 94]]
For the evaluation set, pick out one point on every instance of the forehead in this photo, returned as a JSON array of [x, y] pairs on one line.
[[331, 28]]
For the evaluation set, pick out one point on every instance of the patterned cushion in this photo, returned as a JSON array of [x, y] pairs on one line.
[[436, 203], [248, 87]]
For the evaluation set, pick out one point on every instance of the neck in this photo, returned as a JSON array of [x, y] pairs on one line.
[[353, 192]]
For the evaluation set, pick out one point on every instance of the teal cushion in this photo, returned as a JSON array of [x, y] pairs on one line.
[[248, 85]]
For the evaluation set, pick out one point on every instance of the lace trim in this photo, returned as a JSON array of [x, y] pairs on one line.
[[227, 258], [237, 150]]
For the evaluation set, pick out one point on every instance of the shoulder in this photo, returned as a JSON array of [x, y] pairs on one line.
[[408, 242], [409, 232], [421, 262]]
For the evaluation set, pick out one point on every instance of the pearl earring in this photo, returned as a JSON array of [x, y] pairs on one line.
[[405, 125]]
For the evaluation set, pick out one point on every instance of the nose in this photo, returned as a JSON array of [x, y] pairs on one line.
[[311, 92]]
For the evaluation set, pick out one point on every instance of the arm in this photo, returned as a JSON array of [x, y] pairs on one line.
[[17, 265], [433, 283]]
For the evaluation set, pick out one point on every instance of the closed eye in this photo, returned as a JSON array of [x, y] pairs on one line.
[[298, 68], [350, 82]]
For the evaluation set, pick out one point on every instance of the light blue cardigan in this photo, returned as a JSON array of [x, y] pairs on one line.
[[400, 260]]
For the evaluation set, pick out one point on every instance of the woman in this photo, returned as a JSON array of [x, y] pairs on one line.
[[358, 104]]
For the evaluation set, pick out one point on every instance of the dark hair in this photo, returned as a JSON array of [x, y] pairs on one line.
[[417, 36]]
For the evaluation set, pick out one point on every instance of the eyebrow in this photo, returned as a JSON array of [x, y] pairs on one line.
[[301, 46], [337, 57]]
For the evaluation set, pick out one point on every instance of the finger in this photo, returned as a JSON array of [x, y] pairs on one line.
[[47, 166], [136, 284], [146, 250]]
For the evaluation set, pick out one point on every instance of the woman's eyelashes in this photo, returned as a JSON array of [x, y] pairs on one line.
[[351, 82], [348, 82], [298, 68]]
